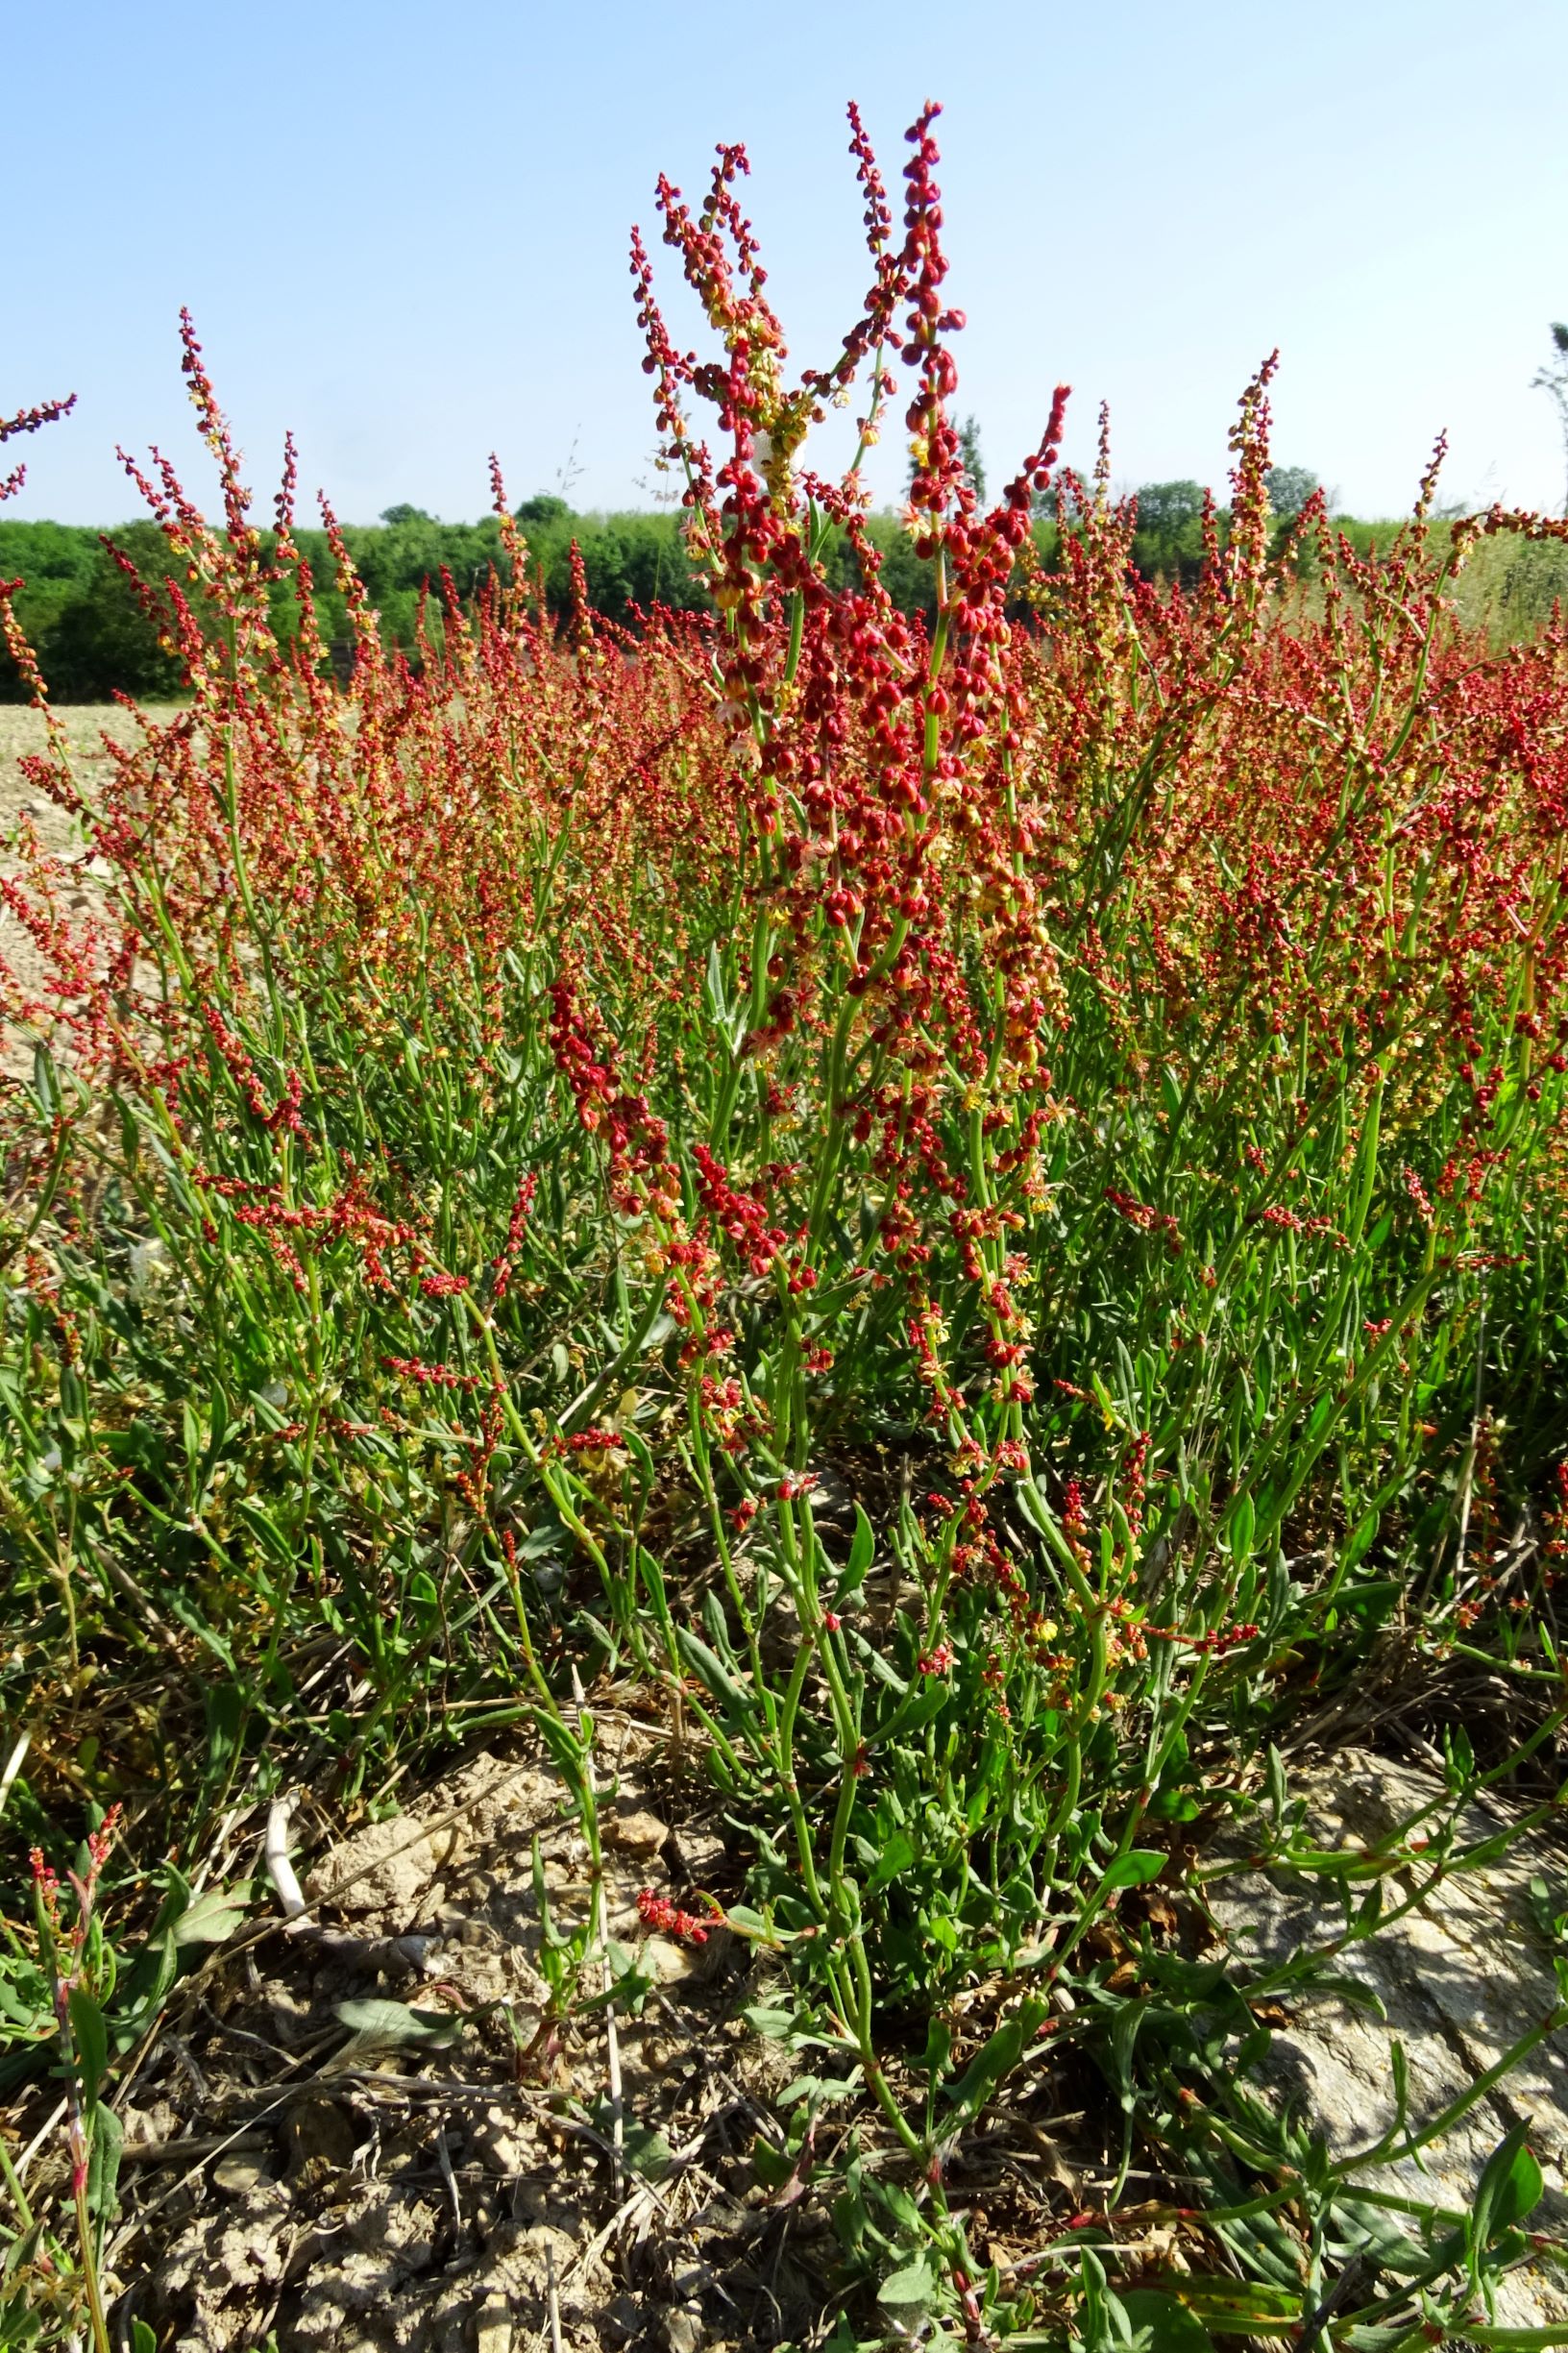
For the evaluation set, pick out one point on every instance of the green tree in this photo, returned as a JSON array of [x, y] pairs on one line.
[[1167, 543], [100, 641], [1289, 487]]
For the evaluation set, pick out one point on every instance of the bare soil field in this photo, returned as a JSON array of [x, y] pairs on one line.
[[23, 733], [87, 723]]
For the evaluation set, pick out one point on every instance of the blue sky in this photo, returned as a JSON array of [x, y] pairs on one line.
[[402, 228]]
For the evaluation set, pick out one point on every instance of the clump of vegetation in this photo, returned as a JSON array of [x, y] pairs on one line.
[[975, 1203]]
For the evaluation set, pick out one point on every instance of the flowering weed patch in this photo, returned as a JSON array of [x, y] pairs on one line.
[[978, 1211]]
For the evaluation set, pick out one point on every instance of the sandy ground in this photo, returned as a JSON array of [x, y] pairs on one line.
[[87, 723], [22, 732], [376, 2135]]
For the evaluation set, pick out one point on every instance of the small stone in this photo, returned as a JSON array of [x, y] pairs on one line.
[[500, 2143], [158, 2121], [636, 1832], [493, 2327], [681, 2332], [388, 1866], [668, 1963], [239, 2175]]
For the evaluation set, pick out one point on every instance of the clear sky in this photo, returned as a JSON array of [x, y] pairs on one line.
[[402, 228]]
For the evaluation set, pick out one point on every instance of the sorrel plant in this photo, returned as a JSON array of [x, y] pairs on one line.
[[979, 1208]]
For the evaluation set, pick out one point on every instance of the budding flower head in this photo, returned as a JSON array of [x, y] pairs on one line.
[[45, 1884]]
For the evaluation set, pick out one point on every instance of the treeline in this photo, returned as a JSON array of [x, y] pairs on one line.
[[94, 639]]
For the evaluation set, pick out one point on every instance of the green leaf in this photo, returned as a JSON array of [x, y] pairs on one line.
[[1124, 2028], [893, 1862], [1134, 1869], [563, 1744], [938, 2049], [630, 1983], [1242, 1528], [258, 1520], [859, 1562], [914, 2284], [1317, 1423], [1174, 1805], [209, 1919], [1510, 2187], [1368, 2230], [1516, 2340], [103, 2160], [820, 2090], [647, 2152], [90, 2038], [718, 1625], [1170, 2326], [773, 2165], [1246, 2308], [382, 2025], [996, 2058], [1360, 1539], [778, 2026], [45, 1081], [747, 1922], [155, 1971], [898, 2203], [716, 1679], [851, 2217], [872, 1660]]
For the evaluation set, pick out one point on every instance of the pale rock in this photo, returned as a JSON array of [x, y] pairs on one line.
[[666, 1961], [158, 2121], [493, 2326], [401, 1864], [239, 2175], [498, 2140], [635, 1832], [1461, 1979]]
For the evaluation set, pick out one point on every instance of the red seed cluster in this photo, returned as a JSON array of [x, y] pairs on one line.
[[666, 1918]]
